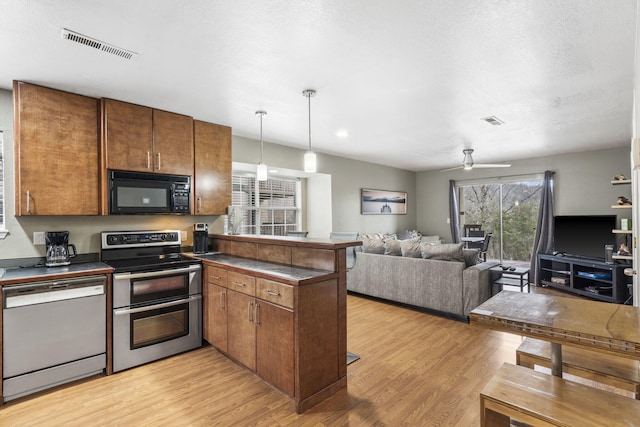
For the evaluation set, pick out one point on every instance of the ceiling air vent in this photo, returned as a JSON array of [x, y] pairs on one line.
[[493, 120], [97, 44]]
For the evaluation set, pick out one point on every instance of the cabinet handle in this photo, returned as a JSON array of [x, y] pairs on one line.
[[239, 284], [274, 293], [199, 204], [28, 200], [249, 311], [222, 301], [148, 160], [257, 313], [159, 162], [216, 277]]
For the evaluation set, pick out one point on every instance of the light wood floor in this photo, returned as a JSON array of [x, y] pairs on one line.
[[415, 369]]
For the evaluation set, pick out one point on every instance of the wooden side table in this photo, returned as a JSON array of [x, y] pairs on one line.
[[518, 277]]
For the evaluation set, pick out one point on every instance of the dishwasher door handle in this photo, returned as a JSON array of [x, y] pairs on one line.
[[47, 292]]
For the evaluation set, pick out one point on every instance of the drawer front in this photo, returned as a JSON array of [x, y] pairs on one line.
[[275, 292], [241, 283], [217, 276]]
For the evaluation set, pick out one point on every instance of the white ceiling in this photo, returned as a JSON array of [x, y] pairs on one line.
[[409, 80]]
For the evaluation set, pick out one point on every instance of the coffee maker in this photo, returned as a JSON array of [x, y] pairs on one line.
[[58, 248], [200, 238]]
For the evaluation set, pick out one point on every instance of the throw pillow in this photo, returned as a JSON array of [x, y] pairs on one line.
[[404, 235], [411, 248], [372, 246], [444, 252], [470, 256], [392, 247]]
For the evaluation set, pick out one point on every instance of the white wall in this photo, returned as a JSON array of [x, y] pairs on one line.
[[582, 185]]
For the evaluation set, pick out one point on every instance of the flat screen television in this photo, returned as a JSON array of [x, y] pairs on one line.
[[583, 236]]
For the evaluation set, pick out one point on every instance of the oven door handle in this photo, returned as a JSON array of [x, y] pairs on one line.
[[121, 311], [191, 268]]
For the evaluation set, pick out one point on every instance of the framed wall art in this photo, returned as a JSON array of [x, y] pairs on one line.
[[382, 202]]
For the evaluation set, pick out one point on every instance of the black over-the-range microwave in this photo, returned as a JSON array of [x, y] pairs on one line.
[[148, 193]]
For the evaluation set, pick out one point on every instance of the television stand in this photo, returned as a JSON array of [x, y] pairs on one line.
[[593, 279]]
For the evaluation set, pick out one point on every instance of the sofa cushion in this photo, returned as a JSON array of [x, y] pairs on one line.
[[410, 248], [434, 240], [471, 256], [392, 247], [444, 251], [372, 246]]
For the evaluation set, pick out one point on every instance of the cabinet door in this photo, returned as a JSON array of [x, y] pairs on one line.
[[275, 346], [241, 338], [127, 136], [172, 143], [56, 152], [212, 174], [214, 328]]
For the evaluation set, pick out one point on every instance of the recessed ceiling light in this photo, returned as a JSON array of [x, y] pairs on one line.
[[342, 133], [493, 120]]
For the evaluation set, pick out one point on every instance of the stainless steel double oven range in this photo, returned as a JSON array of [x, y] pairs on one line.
[[157, 296]]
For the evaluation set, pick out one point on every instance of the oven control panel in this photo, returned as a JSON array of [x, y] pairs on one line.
[[128, 239]]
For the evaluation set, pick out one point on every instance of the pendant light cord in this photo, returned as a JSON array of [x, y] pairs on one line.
[[309, 99], [261, 142]]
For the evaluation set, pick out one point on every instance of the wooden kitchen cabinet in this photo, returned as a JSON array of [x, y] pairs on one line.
[[275, 348], [143, 139], [56, 152], [287, 311], [241, 328], [212, 168], [214, 328]]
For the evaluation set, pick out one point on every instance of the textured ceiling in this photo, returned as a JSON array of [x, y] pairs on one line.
[[409, 80]]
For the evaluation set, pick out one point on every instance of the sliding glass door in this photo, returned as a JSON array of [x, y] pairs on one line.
[[508, 209]]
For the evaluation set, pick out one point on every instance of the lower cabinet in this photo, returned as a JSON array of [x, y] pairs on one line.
[[285, 331], [275, 347], [261, 337], [214, 319]]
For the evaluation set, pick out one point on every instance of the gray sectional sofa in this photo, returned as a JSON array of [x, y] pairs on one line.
[[447, 284]]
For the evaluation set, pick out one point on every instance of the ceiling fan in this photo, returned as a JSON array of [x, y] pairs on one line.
[[468, 164]]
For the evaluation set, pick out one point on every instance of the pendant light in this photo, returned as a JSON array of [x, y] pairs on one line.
[[309, 156], [261, 170]]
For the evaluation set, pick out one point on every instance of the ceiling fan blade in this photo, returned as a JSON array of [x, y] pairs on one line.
[[452, 169], [489, 165]]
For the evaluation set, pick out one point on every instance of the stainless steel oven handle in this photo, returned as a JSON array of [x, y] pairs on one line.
[[121, 311], [194, 267]]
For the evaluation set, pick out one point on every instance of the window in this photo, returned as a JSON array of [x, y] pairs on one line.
[[270, 207], [507, 208]]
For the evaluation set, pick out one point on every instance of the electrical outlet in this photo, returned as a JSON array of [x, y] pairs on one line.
[[38, 238], [183, 235]]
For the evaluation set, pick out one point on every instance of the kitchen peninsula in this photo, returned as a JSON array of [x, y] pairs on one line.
[[278, 306]]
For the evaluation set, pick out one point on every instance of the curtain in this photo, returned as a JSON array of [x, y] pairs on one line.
[[454, 212], [543, 241]]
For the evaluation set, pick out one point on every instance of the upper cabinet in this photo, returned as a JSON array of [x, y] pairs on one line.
[[142, 139], [57, 149], [212, 177]]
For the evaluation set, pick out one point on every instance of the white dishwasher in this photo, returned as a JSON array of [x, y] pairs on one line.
[[53, 332]]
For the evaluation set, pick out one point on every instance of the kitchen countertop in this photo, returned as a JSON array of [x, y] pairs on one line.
[[32, 274], [299, 275]]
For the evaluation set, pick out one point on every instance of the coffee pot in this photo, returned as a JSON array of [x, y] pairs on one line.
[[58, 248], [200, 238]]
